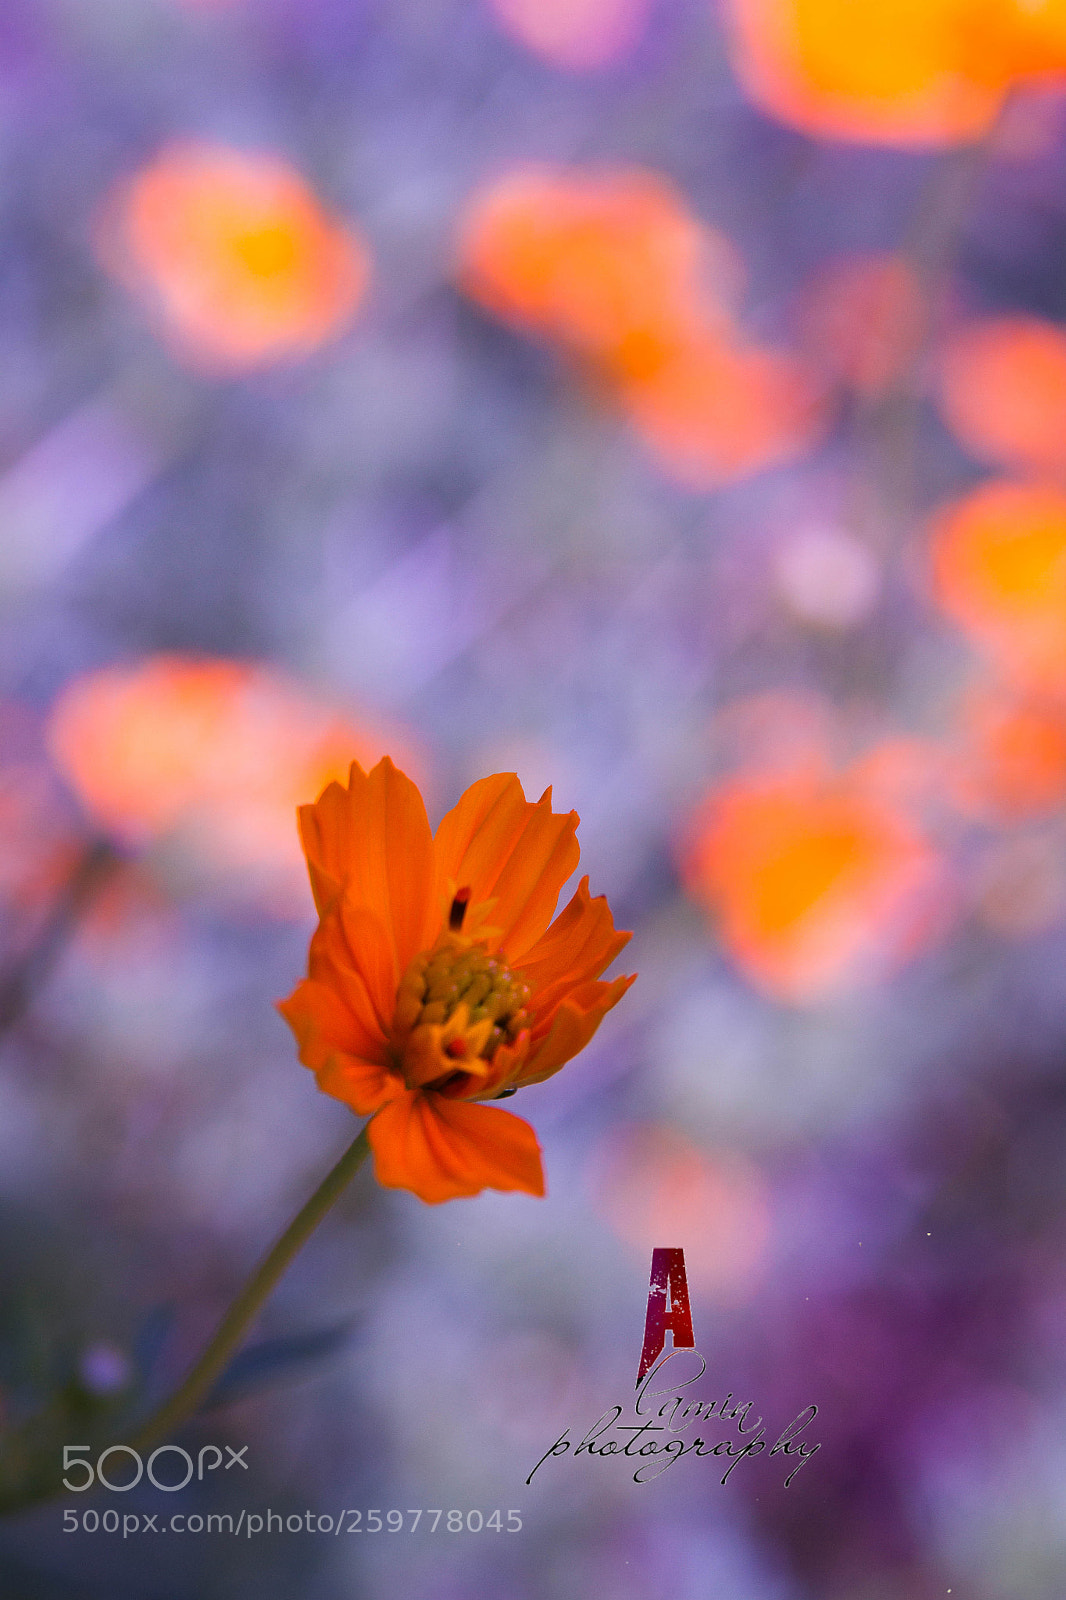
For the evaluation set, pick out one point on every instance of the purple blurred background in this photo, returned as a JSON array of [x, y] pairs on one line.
[[428, 530]]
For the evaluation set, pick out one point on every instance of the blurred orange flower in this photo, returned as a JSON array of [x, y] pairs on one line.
[[650, 1182], [999, 572], [574, 34], [234, 255], [814, 877], [714, 411], [213, 755], [1011, 761], [609, 262], [1003, 391], [435, 980], [901, 72], [612, 266]]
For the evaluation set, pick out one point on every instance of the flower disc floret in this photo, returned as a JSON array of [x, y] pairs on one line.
[[455, 1006]]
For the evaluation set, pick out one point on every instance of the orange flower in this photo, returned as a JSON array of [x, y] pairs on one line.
[[1012, 756], [434, 979], [208, 755], [1003, 391], [234, 254], [650, 1182], [900, 72], [607, 261], [999, 571], [815, 878], [611, 265]]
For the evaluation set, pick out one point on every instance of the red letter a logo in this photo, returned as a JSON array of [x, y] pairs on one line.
[[667, 1271]]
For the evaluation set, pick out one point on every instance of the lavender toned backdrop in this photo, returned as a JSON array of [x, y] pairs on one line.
[[456, 382]]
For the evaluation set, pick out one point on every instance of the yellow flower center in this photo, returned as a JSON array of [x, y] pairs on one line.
[[455, 1006], [267, 250]]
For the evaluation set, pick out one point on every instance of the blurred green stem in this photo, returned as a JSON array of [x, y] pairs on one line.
[[888, 426], [235, 1324]]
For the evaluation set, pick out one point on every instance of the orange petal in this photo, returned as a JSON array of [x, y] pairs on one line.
[[324, 829], [320, 1018], [374, 839], [572, 1026], [508, 850], [448, 1149], [507, 1063], [372, 955], [348, 1062], [351, 954], [358, 1084], [579, 945]]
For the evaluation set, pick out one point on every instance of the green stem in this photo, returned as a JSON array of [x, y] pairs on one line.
[[888, 428], [185, 1400]]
